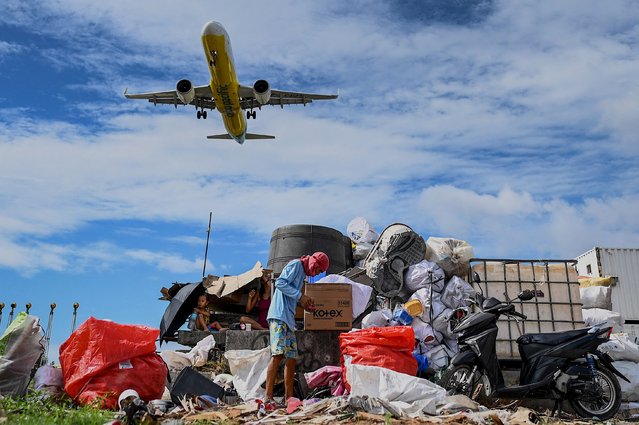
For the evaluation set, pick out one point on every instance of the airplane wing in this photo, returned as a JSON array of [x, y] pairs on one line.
[[279, 97], [203, 97]]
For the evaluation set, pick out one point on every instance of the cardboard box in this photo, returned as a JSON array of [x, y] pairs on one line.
[[333, 307]]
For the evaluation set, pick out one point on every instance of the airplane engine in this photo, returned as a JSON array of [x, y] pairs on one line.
[[262, 91], [185, 91]]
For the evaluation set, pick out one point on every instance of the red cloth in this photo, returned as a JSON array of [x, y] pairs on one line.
[[390, 347], [102, 358], [317, 259]]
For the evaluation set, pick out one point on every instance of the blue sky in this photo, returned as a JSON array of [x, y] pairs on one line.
[[511, 125]]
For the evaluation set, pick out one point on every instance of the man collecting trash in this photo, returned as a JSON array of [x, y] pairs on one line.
[[281, 319]]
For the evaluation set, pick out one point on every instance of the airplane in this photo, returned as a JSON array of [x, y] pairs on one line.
[[224, 92]]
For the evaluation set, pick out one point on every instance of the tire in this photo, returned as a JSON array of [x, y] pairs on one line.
[[454, 378], [607, 391]]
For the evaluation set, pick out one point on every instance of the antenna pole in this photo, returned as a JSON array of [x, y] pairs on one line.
[[206, 251], [75, 313]]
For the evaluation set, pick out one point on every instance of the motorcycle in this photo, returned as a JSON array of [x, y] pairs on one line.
[[559, 366]]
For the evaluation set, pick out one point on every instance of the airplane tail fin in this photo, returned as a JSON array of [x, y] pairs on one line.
[[252, 136], [249, 136], [220, 136]]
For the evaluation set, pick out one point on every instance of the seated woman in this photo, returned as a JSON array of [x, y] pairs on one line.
[[262, 301], [203, 321]]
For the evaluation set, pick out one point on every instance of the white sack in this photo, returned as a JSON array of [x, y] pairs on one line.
[[622, 348], [424, 274], [380, 319], [248, 368], [442, 325], [359, 230], [175, 360], [452, 255], [629, 391], [361, 293], [596, 316], [432, 307], [438, 357], [425, 334], [456, 292], [596, 297], [410, 395]]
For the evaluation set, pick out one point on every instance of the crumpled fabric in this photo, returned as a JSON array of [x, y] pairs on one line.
[[196, 357]]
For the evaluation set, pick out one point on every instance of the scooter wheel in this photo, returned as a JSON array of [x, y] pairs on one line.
[[600, 399], [456, 378]]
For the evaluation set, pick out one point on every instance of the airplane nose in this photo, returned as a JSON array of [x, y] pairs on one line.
[[213, 28]]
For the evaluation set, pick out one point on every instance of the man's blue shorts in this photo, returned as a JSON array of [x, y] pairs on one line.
[[283, 340]]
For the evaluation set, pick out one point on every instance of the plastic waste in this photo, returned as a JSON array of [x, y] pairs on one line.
[[401, 316], [422, 362]]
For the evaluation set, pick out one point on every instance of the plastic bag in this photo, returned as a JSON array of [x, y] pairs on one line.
[[424, 274], [379, 318], [360, 231], [390, 348], [452, 255], [102, 358], [20, 348], [49, 380]]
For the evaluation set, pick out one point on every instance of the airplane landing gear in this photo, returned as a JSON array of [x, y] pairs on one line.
[[251, 114], [201, 114]]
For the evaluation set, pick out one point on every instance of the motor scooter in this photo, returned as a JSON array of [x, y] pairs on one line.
[[559, 366]]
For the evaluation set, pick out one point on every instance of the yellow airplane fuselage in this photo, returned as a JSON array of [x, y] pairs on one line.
[[224, 83]]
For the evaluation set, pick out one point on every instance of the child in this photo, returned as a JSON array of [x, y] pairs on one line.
[[204, 316]]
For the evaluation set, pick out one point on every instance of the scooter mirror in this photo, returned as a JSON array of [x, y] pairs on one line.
[[526, 295], [476, 277]]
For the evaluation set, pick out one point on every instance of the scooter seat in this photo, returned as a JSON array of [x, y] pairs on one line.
[[551, 338]]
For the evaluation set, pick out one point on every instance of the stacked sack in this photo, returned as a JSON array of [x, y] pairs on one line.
[[433, 290], [362, 236], [625, 353], [595, 296]]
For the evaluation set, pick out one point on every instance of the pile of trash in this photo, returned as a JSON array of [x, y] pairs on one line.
[[418, 284]]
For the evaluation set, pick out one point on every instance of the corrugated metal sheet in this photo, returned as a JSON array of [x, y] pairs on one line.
[[623, 264]]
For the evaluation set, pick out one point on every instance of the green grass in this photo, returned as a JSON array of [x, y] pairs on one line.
[[32, 411]]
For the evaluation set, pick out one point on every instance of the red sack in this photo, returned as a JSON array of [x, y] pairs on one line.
[[389, 347], [102, 358]]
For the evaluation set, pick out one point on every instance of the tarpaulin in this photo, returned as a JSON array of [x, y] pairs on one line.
[[390, 347], [102, 358]]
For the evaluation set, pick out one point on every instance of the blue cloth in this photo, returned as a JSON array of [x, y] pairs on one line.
[[288, 290]]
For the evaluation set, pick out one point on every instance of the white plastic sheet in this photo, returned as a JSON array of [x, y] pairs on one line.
[[361, 293], [596, 297], [248, 368], [49, 380], [424, 274], [409, 395]]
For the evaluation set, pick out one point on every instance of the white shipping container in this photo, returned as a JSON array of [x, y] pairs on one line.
[[623, 265]]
